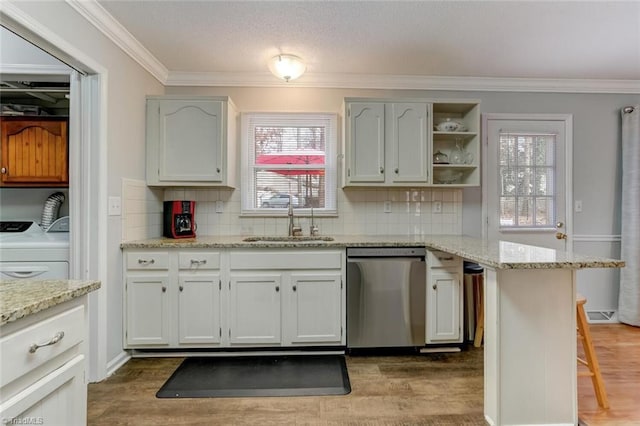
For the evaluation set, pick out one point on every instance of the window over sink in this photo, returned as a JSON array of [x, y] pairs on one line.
[[288, 158]]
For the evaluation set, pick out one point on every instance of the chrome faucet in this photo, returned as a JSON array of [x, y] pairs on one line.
[[293, 230], [313, 229]]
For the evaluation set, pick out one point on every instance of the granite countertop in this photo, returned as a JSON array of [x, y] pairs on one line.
[[20, 298], [495, 254]]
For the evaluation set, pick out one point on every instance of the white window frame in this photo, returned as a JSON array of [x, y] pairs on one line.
[[329, 121]]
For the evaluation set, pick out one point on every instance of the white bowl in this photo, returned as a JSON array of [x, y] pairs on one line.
[[450, 126]]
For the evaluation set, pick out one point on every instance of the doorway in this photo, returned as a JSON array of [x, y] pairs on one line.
[[527, 179]]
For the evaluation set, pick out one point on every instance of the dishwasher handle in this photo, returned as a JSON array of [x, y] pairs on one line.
[[383, 258]]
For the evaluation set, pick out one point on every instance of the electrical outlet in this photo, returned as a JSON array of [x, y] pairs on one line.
[[387, 206], [578, 206], [436, 207], [219, 206], [115, 206]]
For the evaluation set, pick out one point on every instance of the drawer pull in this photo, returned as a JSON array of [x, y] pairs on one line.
[[198, 262], [444, 259], [146, 262], [55, 339]]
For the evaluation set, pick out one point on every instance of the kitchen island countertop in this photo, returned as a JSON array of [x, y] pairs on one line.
[[496, 254], [21, 298]]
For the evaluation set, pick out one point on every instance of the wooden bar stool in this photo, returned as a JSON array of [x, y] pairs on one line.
[[591, 362]]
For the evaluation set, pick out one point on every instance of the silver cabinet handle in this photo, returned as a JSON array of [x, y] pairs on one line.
[[146, 262], [55, 339], [198, 262], [381, 170], [164, 289], [4, 170]]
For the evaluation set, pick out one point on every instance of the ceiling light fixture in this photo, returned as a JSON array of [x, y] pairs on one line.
[[287, 67]]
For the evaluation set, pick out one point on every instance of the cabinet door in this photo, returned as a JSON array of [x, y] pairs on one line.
[[199, 308], [59, 398], [34, 153], [365, 151], [190, 140], [409, 142], [314, 313], [254, 308], [147, 310], [443, 306]]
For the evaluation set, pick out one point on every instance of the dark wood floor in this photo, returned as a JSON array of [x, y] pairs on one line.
[[431, 389]]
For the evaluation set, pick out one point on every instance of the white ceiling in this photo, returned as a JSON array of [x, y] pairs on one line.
[[217, 41]]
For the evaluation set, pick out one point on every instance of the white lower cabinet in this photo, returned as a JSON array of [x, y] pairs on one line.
[[45, 385], [254, 308], [444, 298], [313, 309], [259, 298], [172, 299], [287, 298], [199, 309]]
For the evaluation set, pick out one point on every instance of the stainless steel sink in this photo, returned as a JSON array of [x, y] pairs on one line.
[[285, 239]]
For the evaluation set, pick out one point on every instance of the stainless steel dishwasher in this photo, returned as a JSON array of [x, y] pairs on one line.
[[386, 290]]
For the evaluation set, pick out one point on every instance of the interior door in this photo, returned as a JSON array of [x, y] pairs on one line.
[[527, 185]]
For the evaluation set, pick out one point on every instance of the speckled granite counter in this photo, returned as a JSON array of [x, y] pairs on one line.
[[20, 298], [496, 254]]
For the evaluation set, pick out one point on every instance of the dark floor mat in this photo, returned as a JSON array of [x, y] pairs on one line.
[[297, 375]]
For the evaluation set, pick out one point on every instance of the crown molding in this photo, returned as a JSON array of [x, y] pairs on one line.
[[93, 12], [407, 82]]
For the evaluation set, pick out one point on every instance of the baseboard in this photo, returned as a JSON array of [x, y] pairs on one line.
[[117, 362]]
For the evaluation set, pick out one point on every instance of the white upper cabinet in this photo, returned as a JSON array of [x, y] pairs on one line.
[[392, 142], [190, 141], [366, 135], [409, 142]]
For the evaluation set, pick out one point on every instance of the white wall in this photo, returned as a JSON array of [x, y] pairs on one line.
[[127, 84]]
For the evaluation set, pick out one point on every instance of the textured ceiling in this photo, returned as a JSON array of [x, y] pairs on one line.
[[557, 40]]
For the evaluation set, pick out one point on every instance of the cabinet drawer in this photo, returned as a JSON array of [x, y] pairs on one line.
[[19, 356], [441, 259], [300, 259], [147, 260], [199, 260]]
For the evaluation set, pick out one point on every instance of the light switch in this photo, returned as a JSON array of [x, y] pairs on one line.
[[436, 207], [115, 206], [387, 207], [578, 206]]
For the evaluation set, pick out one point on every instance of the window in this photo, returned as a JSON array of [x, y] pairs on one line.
[[527, 180], [288, 158]]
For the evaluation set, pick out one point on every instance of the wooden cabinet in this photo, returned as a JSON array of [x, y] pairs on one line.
[[387, 143], [34, 152], [45, 385], [391, 142], [444, 298], [191, 141]]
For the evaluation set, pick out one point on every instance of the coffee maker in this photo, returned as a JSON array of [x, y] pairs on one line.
[[179, 219]]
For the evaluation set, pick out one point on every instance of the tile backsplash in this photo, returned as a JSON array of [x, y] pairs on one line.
[[360, 211]]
